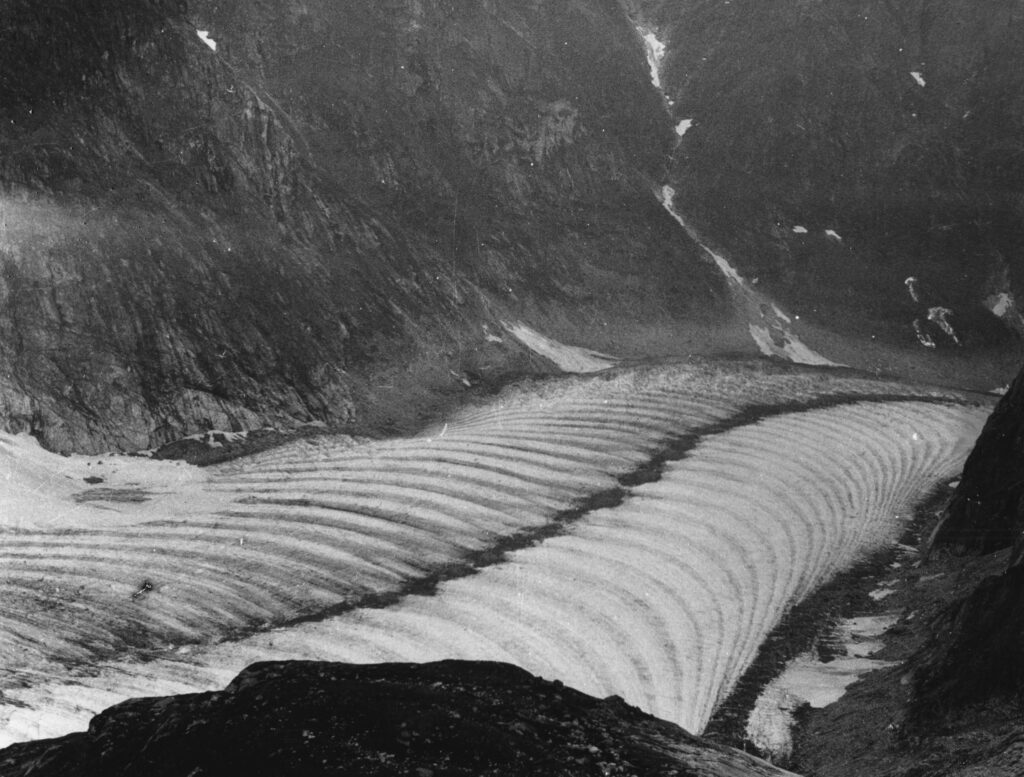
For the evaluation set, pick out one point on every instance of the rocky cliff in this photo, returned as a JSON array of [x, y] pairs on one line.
[[450, 718], [975, 655], [317, 219]]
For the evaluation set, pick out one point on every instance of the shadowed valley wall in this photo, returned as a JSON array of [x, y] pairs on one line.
[[974, 657], [895, 125], [315, 221]]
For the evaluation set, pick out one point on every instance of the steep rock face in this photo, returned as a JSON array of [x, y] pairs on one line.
[[986, 512], [895, 125], [316, 219], [448, 718], [975, 655]]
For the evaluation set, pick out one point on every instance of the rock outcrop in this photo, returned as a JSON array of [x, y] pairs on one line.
[[986, 512], [448, 718], [974, 657]]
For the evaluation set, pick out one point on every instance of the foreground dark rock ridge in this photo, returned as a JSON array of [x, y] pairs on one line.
[[447, 719]]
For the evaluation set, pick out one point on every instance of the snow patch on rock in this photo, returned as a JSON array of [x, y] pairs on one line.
[[786, 347], [922, 336], [911, 284], [807, 680], [217, 438], [568, 358], [204, 36], [940, 317], [666, 197], [769, 326], [1003, 305], [1000, 304], [778, 312], [655, 51]]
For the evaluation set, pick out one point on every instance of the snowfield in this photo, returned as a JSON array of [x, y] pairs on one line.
[[471, 540]]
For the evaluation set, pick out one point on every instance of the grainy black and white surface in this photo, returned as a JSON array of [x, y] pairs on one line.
[[355, 257]]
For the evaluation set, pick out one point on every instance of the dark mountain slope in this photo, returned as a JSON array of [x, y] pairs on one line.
[[315, 221], [895, 124]]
